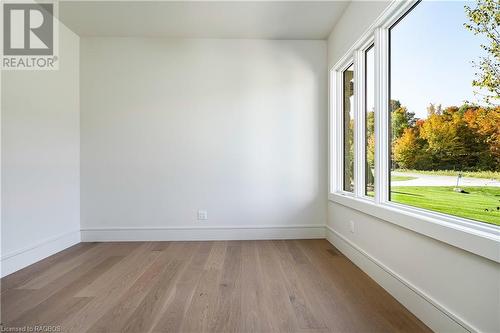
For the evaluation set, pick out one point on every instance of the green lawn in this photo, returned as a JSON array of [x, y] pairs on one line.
[[443, 199], [401, 178]]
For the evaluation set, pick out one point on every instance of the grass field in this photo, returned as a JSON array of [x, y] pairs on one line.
[[443, 199], [473, 174]]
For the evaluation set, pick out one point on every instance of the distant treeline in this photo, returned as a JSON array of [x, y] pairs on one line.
[[452, 138]]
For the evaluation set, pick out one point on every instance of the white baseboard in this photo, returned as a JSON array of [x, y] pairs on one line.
[[433, 314], [203, 233], [19, 259]]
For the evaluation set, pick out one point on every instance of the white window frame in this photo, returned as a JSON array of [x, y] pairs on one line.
[[360, 114], [476, 237], [337, 122]]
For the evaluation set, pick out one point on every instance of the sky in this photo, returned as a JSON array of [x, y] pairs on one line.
[[431, 55], [370, 77]]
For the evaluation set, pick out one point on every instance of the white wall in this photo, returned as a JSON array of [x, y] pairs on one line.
[[236, 127], [357, 17], [416, 269], [40, 159]]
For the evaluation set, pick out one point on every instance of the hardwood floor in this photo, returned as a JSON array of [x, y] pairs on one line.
[[222, 286]]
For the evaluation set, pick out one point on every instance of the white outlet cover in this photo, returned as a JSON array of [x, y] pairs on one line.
[[351, 223], [202, 215]]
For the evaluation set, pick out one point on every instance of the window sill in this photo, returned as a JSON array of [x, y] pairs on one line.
[[482, 240]]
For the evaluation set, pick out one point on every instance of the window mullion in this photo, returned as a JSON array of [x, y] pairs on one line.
[[382, 147]]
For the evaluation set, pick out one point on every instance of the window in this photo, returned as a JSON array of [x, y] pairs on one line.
[[370, 121], [443, 154], [409, 128], [348, 123]]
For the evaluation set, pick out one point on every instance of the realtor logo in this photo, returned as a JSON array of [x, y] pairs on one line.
[[29, 36], [28, 29]]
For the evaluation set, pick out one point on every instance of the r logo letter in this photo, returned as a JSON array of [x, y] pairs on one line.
[[28, 29], [36, 22]]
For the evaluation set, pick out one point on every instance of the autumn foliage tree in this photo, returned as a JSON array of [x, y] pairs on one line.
[[484, 20], [409, 150], [486, 124]]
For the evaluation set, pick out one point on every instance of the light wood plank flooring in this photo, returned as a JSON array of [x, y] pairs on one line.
[[222, 286]]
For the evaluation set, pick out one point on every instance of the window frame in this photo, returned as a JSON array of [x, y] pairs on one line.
[[473, 236], [353, 107], [360, 115], [337, 122]]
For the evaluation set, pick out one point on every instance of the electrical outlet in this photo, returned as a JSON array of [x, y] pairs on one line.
[[352, 226], [202, 215]]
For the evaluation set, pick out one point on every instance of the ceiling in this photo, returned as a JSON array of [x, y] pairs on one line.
[[204, 19]]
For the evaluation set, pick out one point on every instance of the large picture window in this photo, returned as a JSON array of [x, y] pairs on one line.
[[444, 137]]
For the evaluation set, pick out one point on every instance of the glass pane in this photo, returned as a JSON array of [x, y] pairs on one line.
[[348, 79], [444, 129], [370, 121]]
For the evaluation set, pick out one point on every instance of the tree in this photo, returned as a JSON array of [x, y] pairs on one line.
[[370, 148], [401, 119], [410, 151], [394, 104], [370, 139], [485, 122], [460, 139], [485, 20], [349, 157], [433, 109], [445, 144]]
